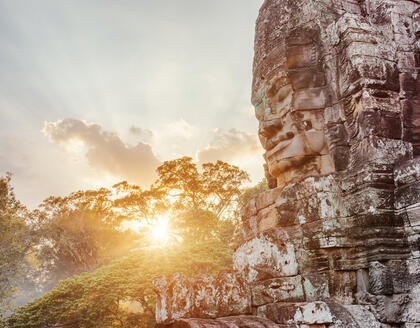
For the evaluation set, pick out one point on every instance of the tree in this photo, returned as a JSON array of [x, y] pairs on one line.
[[82, 231], [201, 197], [102, 298], [15, 241]]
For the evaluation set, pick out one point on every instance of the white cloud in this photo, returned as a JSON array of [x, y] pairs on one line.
[[145, 135], [105, 151], [230, 146]]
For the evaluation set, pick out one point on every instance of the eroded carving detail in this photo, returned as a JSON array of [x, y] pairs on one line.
[[335, 241]]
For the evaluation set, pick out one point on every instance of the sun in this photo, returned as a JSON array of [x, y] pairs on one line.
[[160, 231]]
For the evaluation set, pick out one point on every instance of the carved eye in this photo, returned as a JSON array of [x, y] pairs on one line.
[[270, 128], [307, 125], [283, 92]]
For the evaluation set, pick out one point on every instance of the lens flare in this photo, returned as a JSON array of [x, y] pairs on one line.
[[160, 230]]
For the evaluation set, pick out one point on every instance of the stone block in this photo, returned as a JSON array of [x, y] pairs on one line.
[[249, 228], [227, 322], [408, 82], [404, 39], [266, 198], [362, 316], [307, 78], [379, 123], [266, 256], [379, 100], [407, 195], [380, 279], [369, 71], [312, 261], [401, 23], [316, 286], [401, 280], [380, 151], [268, 219], [411, 134], [337, 135], [232, 294], [204, 296], [287, 210], [398, 308], [287, 289], [407, 172], [174, 298], [362, 279], [414, 241], [300, 313], [301, 56], [410, 112], [340, 156], [330, 233], [413, 214], [314, 98], [248, 321], [249, 209], [406, 61], [343, 286], [384, 51], [370, 200]]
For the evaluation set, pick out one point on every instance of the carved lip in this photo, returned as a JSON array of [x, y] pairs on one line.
[[278, 148]]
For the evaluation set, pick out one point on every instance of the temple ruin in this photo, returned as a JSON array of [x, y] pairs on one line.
[[335, 241]]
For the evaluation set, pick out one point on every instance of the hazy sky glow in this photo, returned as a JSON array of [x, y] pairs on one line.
[[93, 92]]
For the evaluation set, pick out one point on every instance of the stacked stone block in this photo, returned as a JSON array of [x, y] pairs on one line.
[[335, 241]]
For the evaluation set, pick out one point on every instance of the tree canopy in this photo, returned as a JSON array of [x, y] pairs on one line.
[[120, 294], [16, 238], [100, 243]]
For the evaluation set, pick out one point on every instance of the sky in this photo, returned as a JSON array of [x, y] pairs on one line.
[[93, 92]]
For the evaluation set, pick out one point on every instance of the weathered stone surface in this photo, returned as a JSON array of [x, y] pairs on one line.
[[380, 279], [204, 297], [335, 241], [316, 286], [407, 172], [301, 313], [288, 289], [354, 316], [226, 322], [398, 308], [266, 256], [233, 295], [174, 299]]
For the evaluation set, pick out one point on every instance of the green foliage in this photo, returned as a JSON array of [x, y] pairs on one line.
[[78, 232], [82, 232], [100, 298], [15, 240], [202, 197]]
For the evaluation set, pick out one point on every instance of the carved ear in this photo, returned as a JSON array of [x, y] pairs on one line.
[[271, 181]]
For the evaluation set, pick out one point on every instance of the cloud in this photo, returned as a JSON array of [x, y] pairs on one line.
[[104, 150], [145, 134], [228, 146]]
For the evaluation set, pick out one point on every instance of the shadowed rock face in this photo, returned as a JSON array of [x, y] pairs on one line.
[[335, 241]]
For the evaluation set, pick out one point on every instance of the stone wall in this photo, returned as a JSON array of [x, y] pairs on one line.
[[335, 241]]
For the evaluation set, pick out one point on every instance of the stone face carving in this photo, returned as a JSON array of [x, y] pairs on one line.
[[335, 241]]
